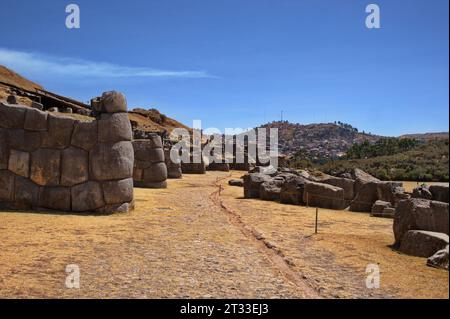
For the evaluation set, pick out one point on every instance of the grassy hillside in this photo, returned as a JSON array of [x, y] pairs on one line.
[[425, 162]]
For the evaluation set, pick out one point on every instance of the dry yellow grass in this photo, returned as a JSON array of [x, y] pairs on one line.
[[409, 186], [335, 259], [179, 243]]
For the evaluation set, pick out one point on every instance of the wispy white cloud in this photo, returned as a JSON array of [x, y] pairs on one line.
[[31, 62]]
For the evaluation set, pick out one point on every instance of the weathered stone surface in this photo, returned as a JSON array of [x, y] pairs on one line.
[[422, 192], [114, 128], [348, 185], [193, 168], [59, 132], [74, 166], [252, 183], [422, 243], [11, 99], [12, 116], [388, 212], [87, 197], [379, 206], [439, 259], [56, 198], [118, 192], [271, 190], [6, 186], [365, 198], [145, 150], [361, 178], [35, 120], [323, 195], [420, 214], [157, 172], [113, 102], [236, 182], [19, 163], [26, 192], [85, 135], [112, 161], [292, 190], [24, 140], [386, 191], [143, 184], [115, 208], [267, 170], [4, 149], [440, 193], [45, 167], [138, 174], [174, 172]]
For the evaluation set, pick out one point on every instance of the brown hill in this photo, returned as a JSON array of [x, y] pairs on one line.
[[11, 77], [153, 121], [323, 140], [427, 136]]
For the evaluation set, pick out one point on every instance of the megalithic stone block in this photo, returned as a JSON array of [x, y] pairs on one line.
[[85, 135], [111, 161], [74, 166], [45, 167], [87, 197], [59, 132], [114, 128], [12, 116]]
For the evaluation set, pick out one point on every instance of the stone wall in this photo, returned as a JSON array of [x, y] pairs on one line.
[[55, 162], [150, 170]]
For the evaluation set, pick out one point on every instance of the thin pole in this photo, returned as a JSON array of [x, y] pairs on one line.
[[317, 217]]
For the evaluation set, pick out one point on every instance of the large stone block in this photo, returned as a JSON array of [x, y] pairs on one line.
[[112, 161], [87, 197], [56, 198], [59, 132], [26, 192], [386, 191], [323, 195], [4, 149], [156, 173], [146, 150], [85, 135], [361, 178], [348, 185], [12, 116], [440, 193], [420, 214], [114, 128], [118, 192], [24, 140], [292, 190], [113, 102], [6, 186], [252, 184], [422, 243], [74, 166], [19, 163], [35, 120], [271, 190], [45, 167], [365, 198]]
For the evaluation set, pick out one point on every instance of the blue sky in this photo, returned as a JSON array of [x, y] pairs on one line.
[[238, 63]]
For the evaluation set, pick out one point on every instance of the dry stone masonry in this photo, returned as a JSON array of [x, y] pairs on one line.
[[55, 162], [150, 170]]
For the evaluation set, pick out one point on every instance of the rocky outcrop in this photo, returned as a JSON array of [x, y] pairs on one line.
[[420, 214], [60, 163], [150, 170], [379, 207]]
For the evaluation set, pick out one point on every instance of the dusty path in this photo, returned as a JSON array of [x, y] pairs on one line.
[[177, 243]]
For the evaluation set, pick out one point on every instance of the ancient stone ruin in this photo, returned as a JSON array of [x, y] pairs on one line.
[[55, 162], [150, 170]]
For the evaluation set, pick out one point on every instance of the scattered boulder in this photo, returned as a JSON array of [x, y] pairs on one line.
[[439, 259], [252, 183], [388, 212], [365, 198], [236, 182], [323, 195], [420, 214], [378, 208], [270, 190], [440, 193], [348, 185], [221, 167], [422, 243], [292, 190], [386, 191], [361, 178]]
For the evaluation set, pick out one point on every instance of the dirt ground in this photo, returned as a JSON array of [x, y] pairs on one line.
[[193, 241]]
